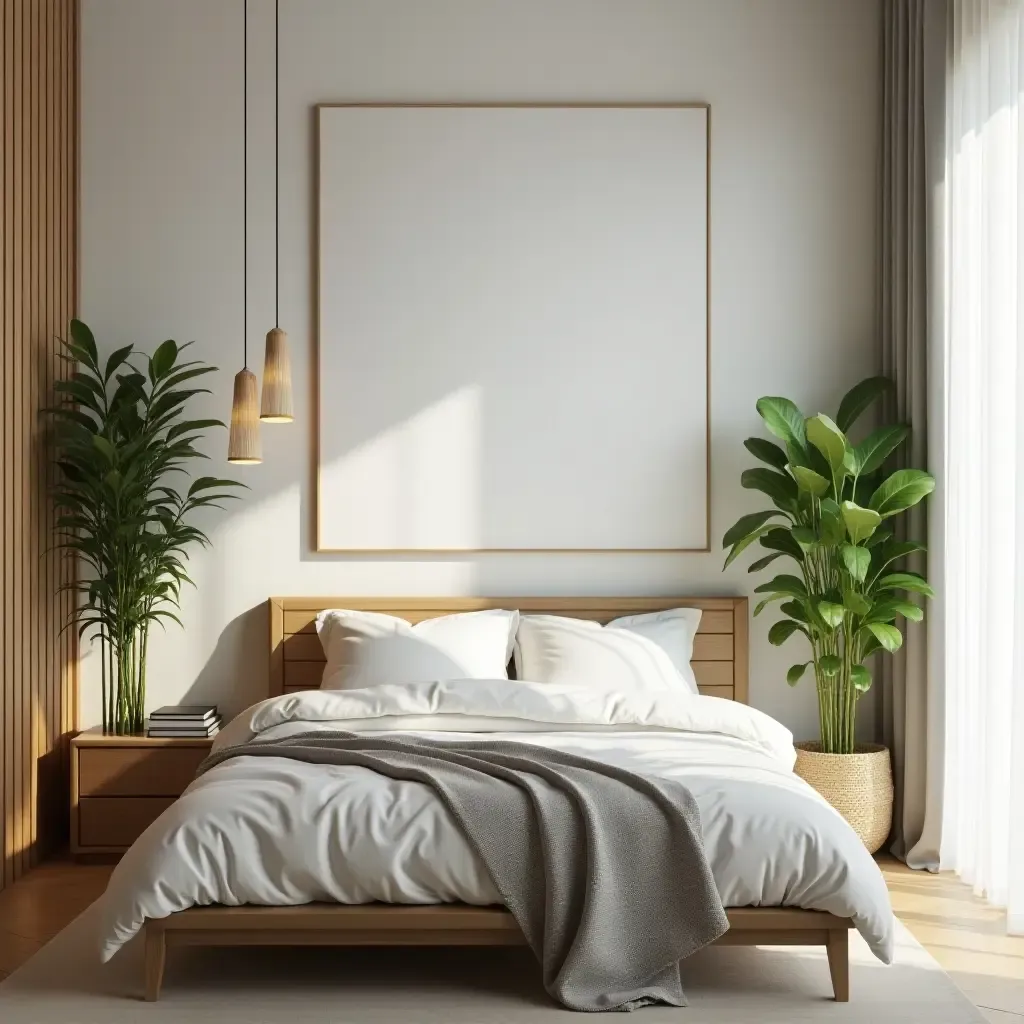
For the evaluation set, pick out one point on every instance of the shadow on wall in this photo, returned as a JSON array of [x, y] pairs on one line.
[[403, 473], [413, 470], [237, 672]]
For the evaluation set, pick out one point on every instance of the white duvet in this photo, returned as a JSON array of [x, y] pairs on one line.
[[274, 831]]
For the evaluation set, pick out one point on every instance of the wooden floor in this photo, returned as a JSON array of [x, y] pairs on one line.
[[42, 903], [965, 935]]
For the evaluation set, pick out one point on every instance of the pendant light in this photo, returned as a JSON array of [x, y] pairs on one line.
[[276, 404], [244, 436]]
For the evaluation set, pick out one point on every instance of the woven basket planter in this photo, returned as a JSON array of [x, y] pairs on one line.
[[858, 786]]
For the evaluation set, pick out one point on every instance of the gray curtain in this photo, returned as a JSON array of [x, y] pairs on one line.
[[910, 333]]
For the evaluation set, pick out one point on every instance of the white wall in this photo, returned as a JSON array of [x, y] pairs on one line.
[[793, 90]]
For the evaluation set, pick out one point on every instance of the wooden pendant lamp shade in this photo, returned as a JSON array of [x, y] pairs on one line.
[[244, 438], [244, 434], [276, 403]]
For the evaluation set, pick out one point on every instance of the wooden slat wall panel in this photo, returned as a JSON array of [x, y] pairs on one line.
[[38, 277]]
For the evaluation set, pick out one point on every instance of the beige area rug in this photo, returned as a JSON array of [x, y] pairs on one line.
[[65, 984]]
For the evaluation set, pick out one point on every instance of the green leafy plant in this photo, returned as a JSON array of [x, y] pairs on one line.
[[121, 442], [832, 515]]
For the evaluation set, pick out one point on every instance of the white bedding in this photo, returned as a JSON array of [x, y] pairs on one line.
[[275, 831]]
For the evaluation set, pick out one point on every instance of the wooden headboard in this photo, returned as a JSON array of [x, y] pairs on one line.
[[719, 651]]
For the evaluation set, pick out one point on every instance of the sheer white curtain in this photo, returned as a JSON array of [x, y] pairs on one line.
[[983, 805]]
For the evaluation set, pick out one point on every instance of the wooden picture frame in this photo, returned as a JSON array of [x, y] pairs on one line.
[[323, 546]]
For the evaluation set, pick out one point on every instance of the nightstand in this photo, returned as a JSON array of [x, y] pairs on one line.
[[121, 784]]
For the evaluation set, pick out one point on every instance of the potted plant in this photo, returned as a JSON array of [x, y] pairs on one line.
[[833, 513], [121, 442]]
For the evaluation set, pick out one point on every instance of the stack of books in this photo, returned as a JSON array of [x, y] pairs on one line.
[[184, 720]]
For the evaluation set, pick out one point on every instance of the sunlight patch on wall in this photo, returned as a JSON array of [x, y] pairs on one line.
[[415, 485]]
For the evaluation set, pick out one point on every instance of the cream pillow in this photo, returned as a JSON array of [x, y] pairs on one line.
[[372, 649], [651, 651]]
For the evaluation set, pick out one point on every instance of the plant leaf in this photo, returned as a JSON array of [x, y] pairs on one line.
[[864, 488], [861, 678], [115, 360], [829, 665], [833, 531], [906, 487], [162, 360], [880, 536], [828, 439], [869, 645], [782, 631], [892, 551], [183, 375], [778, 539], [810, 458], [809, 481], [887, 608], [859, 398], [742, 544], [204, 483], [857, 561], [783, 419], [779, 487], [888, 636], [832, 613], [805, 537], [795, 610], [856, 603], [877, 447], [795, 673], [792, 586], [104, 447], [80, 393], [746, 525], [90, 381], [905, 581], [82, 337], [188, 426], [860, 522], [761, 605], [766, 451], [763, 562]]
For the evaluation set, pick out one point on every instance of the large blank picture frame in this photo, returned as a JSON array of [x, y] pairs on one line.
[[513, 327]]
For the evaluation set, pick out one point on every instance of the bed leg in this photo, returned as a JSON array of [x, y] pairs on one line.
[[156, 955], [838, 946]]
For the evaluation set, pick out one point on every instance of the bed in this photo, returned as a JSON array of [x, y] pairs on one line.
[[843, 889]]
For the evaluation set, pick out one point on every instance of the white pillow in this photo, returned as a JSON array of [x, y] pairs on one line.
[[635, 652], [372, 649]]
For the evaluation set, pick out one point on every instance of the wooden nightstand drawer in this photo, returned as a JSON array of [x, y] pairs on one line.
[[120, 784], [137, 771], [107, 823]]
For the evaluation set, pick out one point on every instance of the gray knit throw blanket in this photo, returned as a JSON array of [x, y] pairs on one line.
[[603, 869]]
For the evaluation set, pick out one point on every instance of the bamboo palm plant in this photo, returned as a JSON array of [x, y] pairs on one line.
[[833, 512], [121, 442]]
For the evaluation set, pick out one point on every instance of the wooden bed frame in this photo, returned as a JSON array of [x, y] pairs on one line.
[[296, 663]]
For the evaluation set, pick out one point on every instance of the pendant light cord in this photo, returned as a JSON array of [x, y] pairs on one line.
[[245, 183], [277, 164]]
